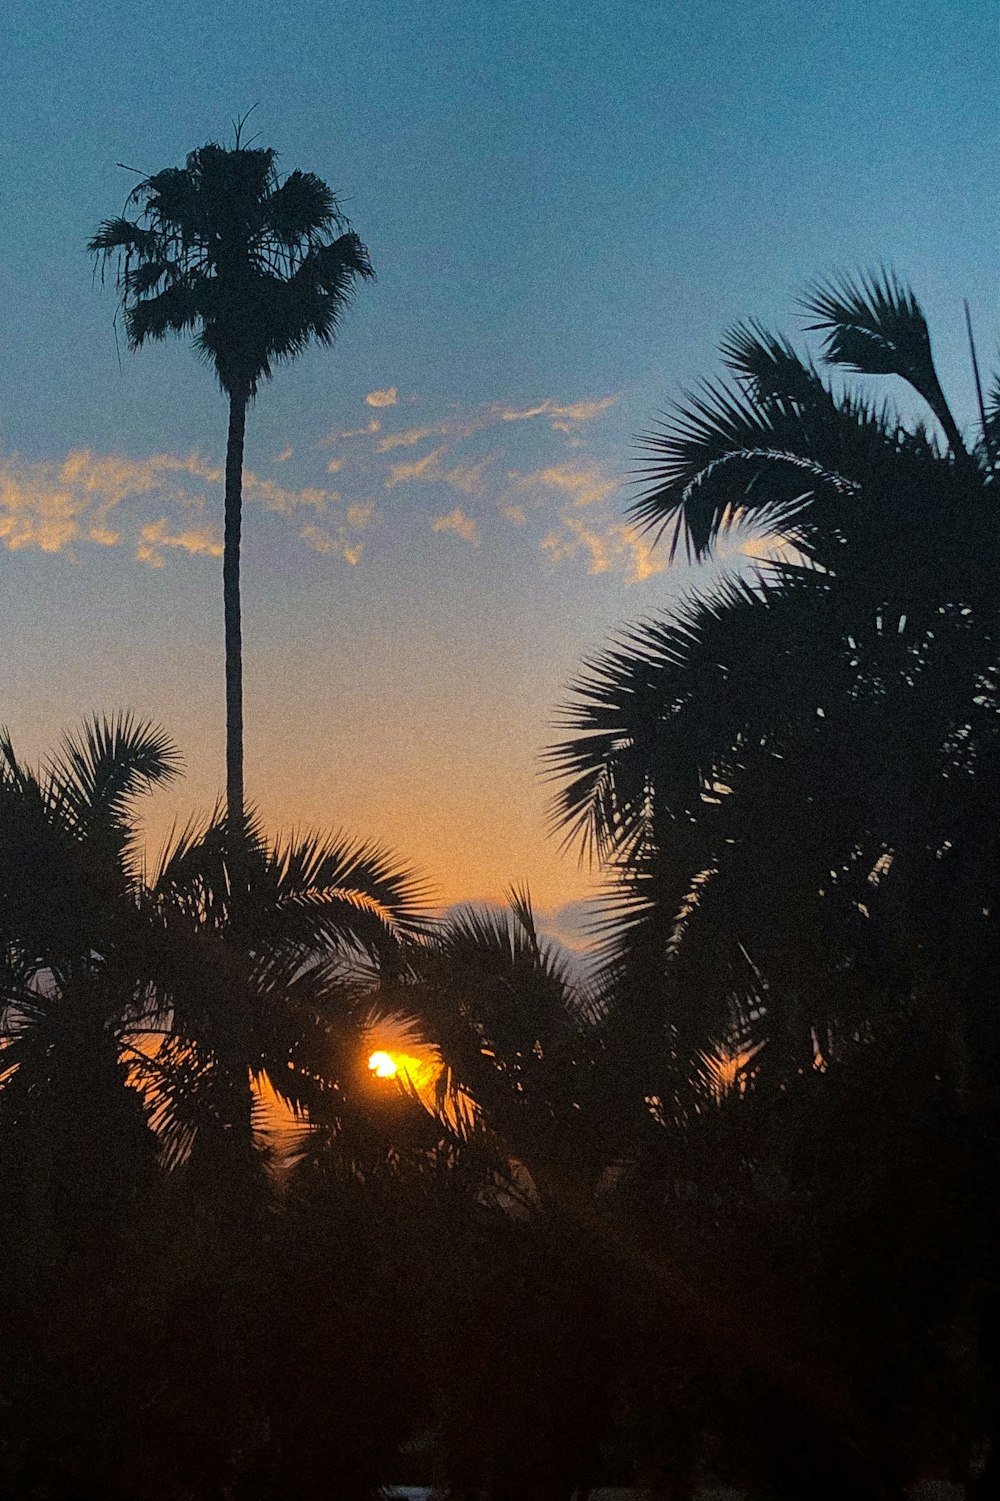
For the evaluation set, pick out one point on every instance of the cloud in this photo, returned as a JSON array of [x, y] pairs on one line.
[[156, 536], [516, 515], [458, 522], [284, 455], [563, 418], [338, 542], [606, 546], [336, 435], [568, 542], [105, 499], [456, 427], [359, 515], [386, 398], [406, 438], [467, 478], [572, 925], [334, 466], [427, 468], [759, 537], [332, 544], [50, 504], [279, 498], [586, 484]]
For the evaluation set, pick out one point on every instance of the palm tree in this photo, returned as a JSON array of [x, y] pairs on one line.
[[791, 782], [269, 995], [796, 771], [518, 1034], [73, 1004], [225, 248]]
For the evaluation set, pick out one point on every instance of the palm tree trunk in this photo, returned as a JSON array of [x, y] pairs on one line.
[[234, 630]]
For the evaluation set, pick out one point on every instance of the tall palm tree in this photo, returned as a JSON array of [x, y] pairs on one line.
[[230, 251]]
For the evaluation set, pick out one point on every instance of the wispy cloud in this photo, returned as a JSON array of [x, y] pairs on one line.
[[157, 535], [336, 539], [604, 545], [468, 478], [427, 468], [407, 437], [585, 483], [338, 434], [465, 477], [359, 514], [283, 498], [458, 522], [386, 398], [515, 514], [52, 504], [284, 455], [333, 544], [565, 417]]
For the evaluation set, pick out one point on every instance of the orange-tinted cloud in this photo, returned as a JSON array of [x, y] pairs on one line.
[[407, 437], [285, 500], [458, 522], [427, 468], [332, 544], [156, 536], [585, 483], [386, 398], [564, 418], [606, 546], [50, 504], [467, 478], [360, 513], [336, 434]]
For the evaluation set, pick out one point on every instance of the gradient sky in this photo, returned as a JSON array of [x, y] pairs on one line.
[[566, 206]]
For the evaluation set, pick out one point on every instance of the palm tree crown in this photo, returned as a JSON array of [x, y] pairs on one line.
[[791, 775], [225, 248]]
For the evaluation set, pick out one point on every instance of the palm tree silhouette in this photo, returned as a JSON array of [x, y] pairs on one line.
[[73, 1000], [269, 991], [225, 248], [791, 776]]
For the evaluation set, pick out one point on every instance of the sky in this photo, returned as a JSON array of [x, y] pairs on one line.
[[567, 206]]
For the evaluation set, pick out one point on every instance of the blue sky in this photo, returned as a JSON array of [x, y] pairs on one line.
[[566, 205]]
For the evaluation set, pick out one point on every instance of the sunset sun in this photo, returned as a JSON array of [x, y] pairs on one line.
[[383, 1065]]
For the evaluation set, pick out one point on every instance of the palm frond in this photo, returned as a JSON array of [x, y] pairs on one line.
[[667, 706], [352, 890], [174, 310], [874, 325], [302, 207], [103, 767], [116, 235], [991, 435], [770, 366], [724, 449]]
